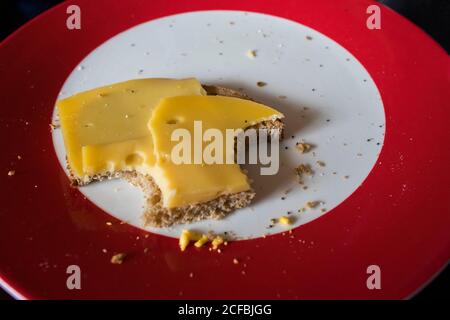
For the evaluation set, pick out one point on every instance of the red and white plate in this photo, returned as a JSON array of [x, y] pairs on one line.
[[374, 103]]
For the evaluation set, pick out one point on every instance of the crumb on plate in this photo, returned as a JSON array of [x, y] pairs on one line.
[[201, 242], [217, 242], [285, 220], [303, 147], [320, 163], [261, 84], [304, 169], [118, 258], [312, 204], [186, 237], [251, 54], [53, 126]]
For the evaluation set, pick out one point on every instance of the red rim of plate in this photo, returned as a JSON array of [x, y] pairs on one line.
[[397, 219]]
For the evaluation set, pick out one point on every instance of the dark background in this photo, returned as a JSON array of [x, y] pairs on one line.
[[433, 16]]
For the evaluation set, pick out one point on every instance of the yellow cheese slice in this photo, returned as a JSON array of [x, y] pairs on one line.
[[106, 129], [134, 154], [189, 183]]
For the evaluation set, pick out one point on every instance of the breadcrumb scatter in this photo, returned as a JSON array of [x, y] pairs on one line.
[[302, 170], [118, 258]]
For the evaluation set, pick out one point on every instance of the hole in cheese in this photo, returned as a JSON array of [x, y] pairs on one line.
[[134, 160]]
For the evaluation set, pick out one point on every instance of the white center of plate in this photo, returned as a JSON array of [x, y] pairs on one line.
[[327, 96]]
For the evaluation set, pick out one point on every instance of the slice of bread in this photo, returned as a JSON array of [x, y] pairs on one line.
[[156, 215]]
